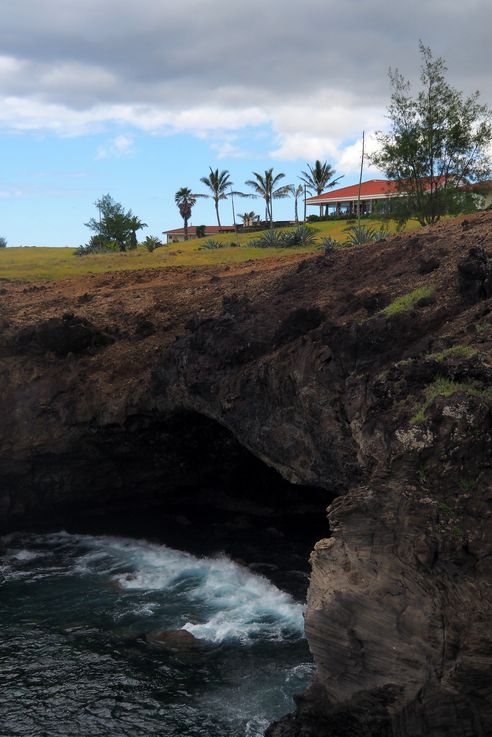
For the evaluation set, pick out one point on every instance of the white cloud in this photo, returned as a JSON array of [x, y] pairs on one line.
[[117, 148], [316, 75]]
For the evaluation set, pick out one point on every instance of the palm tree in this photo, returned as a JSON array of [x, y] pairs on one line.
[[185, 199], [319, 178], [217, 182], [296, 192], [134, 224], [249, 218], [266, 186]]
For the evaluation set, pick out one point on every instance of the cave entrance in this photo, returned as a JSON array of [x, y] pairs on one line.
[[185, 481]]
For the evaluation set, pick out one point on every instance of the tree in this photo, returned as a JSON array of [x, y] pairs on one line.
[[296, 191], [3, 242], [218, 183], [114, 225], [134, 224], [319, 178], [185, 200], [249, 218], [437, 143], [265, 186]]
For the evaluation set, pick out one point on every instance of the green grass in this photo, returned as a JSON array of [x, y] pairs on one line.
[[407, 301], [32, 263], [443, 387], [458, 351]]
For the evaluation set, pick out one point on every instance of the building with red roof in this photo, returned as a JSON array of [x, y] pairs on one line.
[[177, 235], [375, 191], [345, 199]]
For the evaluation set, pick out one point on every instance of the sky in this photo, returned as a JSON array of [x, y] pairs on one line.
[[140, 99]]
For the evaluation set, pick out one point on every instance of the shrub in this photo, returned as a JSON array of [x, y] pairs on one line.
[[200, 231], [302, 235], [152, 242], [271, 239], [358, 234], [97, 244], [329, 244], [212, 245], [3, 243]]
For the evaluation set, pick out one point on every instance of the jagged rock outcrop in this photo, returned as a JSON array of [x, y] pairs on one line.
[[315, 370]]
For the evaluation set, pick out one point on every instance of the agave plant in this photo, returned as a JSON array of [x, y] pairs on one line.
[[328, 244], [211, 244], [358, 234], [271, 239], [301, 235]]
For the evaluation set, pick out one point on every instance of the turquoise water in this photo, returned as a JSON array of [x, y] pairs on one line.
[[75, 611]]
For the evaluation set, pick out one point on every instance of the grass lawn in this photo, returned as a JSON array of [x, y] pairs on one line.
[[33, 263]]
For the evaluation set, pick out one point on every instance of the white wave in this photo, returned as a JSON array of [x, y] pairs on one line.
[[227, 601], [237, 604]]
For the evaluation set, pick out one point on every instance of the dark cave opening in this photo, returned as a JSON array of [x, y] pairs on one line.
[[184, 480]]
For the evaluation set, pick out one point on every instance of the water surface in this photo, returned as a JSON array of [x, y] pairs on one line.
[[75, 611]]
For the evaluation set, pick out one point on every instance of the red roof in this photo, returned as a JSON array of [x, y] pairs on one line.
[[368, 189], [209, 230], [372, 188]]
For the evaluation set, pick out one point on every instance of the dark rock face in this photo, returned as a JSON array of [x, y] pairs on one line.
[[475, 275], [393, 414], [61, 336]]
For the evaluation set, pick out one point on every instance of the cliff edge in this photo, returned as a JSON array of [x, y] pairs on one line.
[[366, 372]]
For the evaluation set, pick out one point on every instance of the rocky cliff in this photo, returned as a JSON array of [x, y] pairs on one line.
[[365, 373]]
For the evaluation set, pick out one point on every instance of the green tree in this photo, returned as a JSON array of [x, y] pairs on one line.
[[266, 186], [249, 218], [318, 178], [185, 200], [437, 143], [134, 224], [218, 183], [296, 190], [3, 242], [114, 224]]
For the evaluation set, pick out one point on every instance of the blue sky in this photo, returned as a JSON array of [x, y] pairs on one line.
[[106, 96], [49, 184]]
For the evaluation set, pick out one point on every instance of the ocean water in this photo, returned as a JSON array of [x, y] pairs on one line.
[[76, 616]]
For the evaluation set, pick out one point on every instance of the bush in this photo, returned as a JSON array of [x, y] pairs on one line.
[[329, 244], [200, 231], [3, 243], [358, 234], [97, 244], [302, 235], [152, 242], [271, 239], [211, 245]]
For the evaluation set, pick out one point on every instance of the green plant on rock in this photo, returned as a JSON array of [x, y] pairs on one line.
[[407, 301], [444, 387]]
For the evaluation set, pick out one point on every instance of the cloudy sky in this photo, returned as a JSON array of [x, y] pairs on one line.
[[139, 98]]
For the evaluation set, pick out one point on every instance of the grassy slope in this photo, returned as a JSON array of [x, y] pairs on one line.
[[58, 263]]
